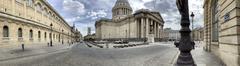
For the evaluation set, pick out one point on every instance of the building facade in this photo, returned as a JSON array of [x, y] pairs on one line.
[[89, 31], [90, 37], [171, 35], [222, 30], [198, 34], [32, 22], [125, 25]]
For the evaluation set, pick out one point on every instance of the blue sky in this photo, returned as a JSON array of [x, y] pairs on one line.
[[84, 13]]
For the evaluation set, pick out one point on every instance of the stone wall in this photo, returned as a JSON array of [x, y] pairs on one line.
[[123, 29], [229, 37], [227, 48]]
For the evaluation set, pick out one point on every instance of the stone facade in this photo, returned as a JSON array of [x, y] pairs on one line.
[[90, 37], [125, 25], [221, 29], [171, 35], [32, 22], [198, 34]]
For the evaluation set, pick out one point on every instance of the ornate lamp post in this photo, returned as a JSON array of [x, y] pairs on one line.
[[185, 44], [192, 15], [51, 35]]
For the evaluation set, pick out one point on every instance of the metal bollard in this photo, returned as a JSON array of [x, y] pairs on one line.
[[107, 45], [23, 47], [48, 44]]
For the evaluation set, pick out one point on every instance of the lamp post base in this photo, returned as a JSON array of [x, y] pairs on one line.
[[185, 59]]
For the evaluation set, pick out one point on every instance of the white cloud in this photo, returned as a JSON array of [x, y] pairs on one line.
[[97, 14], [147, 1], [138, 4], [71, 20], [72, 6]]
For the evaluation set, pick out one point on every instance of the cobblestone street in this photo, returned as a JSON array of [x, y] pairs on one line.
[[155, 54]]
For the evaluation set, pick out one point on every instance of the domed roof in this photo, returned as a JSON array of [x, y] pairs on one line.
[[122, 4], [125, 1]]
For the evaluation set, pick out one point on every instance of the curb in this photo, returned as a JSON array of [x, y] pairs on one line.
[[174, 60]]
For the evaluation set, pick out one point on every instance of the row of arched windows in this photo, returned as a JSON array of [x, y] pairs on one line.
[[41, 8], [44, 10], [20, 33]]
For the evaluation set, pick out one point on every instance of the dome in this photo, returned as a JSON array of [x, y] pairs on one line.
[[121, 9], [122, 4]]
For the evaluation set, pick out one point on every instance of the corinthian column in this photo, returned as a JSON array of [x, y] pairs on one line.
[[147, 27], [142, 28], [155, 28]]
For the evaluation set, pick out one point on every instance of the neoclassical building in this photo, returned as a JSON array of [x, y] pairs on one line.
[[125, 24], [222, 29], [32, 22]]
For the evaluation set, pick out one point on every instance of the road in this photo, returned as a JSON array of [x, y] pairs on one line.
[[81, 55]]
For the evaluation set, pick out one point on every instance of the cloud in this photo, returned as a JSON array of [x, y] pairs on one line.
[[170, 13], [97, 14], [73, 7], [71, 20], [168, 10]]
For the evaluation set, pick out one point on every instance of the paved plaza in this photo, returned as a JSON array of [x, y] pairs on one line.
[[154, 54]]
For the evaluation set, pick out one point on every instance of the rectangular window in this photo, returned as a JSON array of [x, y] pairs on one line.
[[50, 35], [45, 35], [30, 3], [215, 32], [215, 22], [5, 31]]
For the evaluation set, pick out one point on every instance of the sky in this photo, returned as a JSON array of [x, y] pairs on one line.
[[84, 13]]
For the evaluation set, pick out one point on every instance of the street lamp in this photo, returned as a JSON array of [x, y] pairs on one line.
[[192, 15], [73, 33], [51, 35], [185, 44], [62, 36]]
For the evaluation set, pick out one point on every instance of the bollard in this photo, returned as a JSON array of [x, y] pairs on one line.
[[107, 45], [48, 44], [23, 47]]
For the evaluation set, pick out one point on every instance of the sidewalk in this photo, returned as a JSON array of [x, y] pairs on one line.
[[200, 57], [204, 58], [9, 53]]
